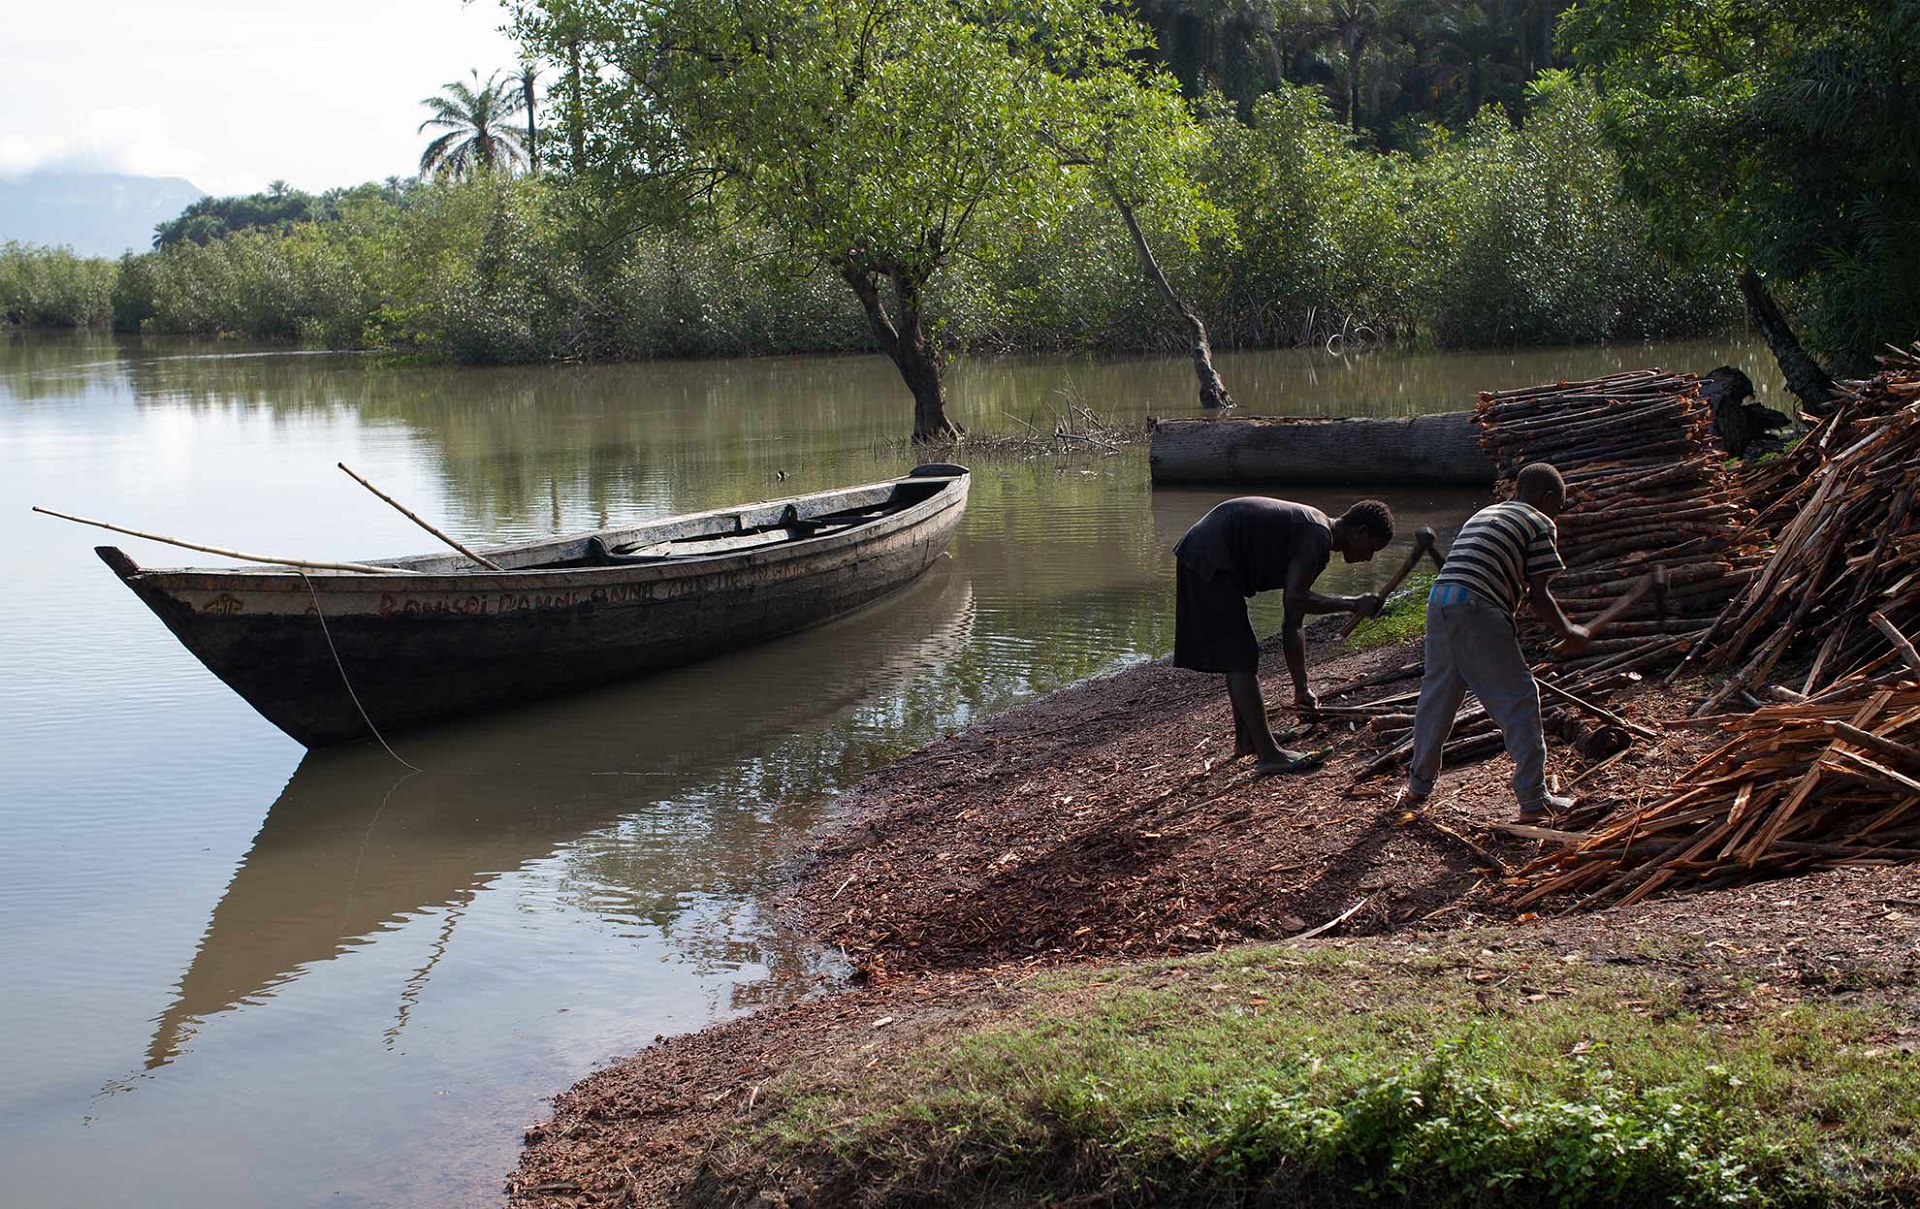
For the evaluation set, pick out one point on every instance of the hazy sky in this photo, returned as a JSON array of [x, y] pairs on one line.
[[231, 96]]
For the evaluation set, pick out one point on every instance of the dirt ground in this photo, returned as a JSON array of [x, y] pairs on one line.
[[1107, 823], [1110, 820]]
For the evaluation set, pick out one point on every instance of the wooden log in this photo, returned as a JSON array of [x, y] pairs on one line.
[[1900, 644], [1433, 449], [1580, 703]]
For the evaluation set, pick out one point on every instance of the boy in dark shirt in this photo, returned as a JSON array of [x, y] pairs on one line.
[[1254, 544]]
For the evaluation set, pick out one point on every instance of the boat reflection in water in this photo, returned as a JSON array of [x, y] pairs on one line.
[[685, 789]]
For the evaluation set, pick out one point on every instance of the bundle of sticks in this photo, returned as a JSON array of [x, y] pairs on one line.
[[1797, 788], [1847, 544], [1647, 490]]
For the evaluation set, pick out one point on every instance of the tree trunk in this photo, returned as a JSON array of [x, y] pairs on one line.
[[533, 136], [576, 109], [1805, 378], [1357, 43], [1213, 392], [908, 346]]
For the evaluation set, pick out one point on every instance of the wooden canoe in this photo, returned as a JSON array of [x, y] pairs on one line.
[[439, 635]]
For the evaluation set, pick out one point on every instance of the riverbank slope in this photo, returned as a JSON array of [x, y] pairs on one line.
[[1067, 929]]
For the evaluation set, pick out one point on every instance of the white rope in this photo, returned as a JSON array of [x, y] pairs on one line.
[[355, 697]]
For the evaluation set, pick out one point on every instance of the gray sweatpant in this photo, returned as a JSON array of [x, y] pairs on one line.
[[1472, 645]]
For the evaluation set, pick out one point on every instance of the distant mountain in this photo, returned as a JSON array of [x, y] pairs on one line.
[[94, 213]]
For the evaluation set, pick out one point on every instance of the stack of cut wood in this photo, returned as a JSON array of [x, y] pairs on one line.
[[1647, 487], [1847, 544], [1797, 788]]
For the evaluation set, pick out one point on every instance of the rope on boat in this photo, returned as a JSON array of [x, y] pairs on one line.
[[355, 697]]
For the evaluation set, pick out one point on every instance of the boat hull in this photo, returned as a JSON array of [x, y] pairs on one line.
[[320, 654]]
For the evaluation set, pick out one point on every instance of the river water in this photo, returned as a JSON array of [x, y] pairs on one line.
[[233, 973]]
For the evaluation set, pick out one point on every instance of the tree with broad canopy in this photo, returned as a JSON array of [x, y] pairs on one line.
[[879, 138], [1782, 135]]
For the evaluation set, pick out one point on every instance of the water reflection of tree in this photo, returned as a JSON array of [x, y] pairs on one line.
[[36, 367], [526, 450]]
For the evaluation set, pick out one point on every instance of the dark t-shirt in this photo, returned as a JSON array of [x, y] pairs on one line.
[[1251, 541]]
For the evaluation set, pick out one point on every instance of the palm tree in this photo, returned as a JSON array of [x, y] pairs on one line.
[[1353, 24], [525, 78], [1476, 61], [477, 137]]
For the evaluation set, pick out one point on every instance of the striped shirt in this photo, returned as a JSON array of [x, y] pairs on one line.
[[1501, 547]]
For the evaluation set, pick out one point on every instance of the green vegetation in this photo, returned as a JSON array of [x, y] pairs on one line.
[[1387, 66], [1781, 133], [1301, 1076], [277, 211], [473, 119], [877, 144], [51, 287], [999, 175], [1279, 232], [1404, 617]]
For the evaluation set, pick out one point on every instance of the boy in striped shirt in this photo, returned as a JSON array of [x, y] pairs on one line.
[[1506, 550]]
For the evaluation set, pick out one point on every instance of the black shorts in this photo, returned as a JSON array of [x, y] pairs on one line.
[[1211, 629]]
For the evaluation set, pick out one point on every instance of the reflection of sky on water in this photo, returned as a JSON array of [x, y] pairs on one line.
[[242, 975]]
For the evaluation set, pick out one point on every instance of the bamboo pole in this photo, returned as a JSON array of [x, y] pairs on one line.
[[303, 563], [409, 513]]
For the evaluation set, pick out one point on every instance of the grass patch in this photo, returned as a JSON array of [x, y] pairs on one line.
[[1301, 1076], [1403, 618]]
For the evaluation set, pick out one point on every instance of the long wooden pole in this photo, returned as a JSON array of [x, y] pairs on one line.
[[1899, 640], [407, 512], [308, 564]]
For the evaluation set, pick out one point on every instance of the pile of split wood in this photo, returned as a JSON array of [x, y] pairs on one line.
[[1797, 788], [1647, 488], [1826, 773], [1573, 709], [1843, 581]]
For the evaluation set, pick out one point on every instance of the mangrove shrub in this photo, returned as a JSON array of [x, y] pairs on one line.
[[52, 287]]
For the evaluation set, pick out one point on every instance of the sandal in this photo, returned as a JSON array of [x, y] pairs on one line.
[[1302, 762]]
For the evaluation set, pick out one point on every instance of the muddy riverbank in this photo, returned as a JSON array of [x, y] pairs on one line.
[[1102, 832]]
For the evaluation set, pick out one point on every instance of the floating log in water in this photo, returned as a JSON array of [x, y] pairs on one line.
[[1403, 450]]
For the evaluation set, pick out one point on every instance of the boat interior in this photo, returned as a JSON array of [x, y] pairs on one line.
[[709, 534]]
